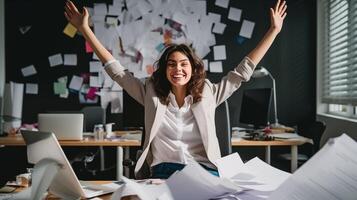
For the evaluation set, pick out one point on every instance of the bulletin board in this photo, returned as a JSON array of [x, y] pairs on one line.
[[34, 31]]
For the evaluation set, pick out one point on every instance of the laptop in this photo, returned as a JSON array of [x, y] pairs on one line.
[[65, 184], [66, 126]]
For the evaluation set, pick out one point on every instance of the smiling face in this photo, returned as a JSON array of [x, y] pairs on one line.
[[178, 70]]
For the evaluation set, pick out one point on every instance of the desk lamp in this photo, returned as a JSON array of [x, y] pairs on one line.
[[260, 72]]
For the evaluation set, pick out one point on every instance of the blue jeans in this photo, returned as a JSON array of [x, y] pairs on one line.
[[165, 170]]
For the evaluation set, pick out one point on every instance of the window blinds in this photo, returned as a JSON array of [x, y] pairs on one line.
[[339, 51]]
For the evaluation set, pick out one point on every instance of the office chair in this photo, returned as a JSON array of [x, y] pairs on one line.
[[223, 128], [313, 130], [92, 115]]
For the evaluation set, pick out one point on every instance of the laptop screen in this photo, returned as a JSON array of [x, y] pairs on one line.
[[42, 145], [66, 126]]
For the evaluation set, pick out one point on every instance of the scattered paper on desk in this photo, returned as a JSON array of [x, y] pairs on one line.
[[143, 191], [222, 3], [70, 30], [70, 59], [285, 135], [216, 67], [95, 66], [55, 60], [219, 52], [31, 88], [234, 14], [247, 29], [195, 182], [329, 174], [76, 83], [28, 71], [229, 166]]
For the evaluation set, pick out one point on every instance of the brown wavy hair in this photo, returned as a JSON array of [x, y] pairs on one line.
[[196, 83]]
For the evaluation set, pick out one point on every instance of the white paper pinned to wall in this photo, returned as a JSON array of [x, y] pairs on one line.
[[247, 29], [234, 14], [28, 71], [55, 60]]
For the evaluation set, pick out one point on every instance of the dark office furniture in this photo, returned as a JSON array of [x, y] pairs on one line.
[[223, 128], [314, 131]]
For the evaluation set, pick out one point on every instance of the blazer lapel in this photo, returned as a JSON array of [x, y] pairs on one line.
[[200, 116], [160, 111]]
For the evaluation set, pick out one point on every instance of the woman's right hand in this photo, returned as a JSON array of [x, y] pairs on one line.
[[77, 19]]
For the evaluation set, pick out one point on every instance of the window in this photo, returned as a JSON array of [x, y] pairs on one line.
[[337, 46]]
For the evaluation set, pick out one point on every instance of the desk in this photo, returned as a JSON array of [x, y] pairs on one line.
[[103, 197], [17, 140], [294, 143]]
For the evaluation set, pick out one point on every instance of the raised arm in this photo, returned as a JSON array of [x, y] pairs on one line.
[[80, 21], [277, 16]]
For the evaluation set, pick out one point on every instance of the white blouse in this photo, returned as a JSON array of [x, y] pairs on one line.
[[178, 139]]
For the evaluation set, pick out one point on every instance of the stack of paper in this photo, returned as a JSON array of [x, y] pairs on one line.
[[330, 174], [257, 178]]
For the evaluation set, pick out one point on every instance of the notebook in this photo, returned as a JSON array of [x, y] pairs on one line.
[[65, 184], [64, 125]]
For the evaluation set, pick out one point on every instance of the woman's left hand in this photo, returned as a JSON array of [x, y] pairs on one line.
[[277, 16]]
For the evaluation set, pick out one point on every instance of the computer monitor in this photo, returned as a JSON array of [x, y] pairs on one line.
[[255, 107]]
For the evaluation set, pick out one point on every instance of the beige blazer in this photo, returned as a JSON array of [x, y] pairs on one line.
[[203, 111]]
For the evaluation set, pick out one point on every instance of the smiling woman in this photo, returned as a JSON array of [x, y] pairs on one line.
[[179, 102], [181, 71]]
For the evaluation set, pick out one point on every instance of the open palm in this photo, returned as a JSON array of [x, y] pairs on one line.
[[277, 15], [76, 18]]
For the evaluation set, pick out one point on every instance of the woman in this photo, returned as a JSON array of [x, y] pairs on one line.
[[179, 102]]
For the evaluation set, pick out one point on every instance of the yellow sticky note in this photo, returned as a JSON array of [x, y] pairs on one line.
[[70, 30]]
